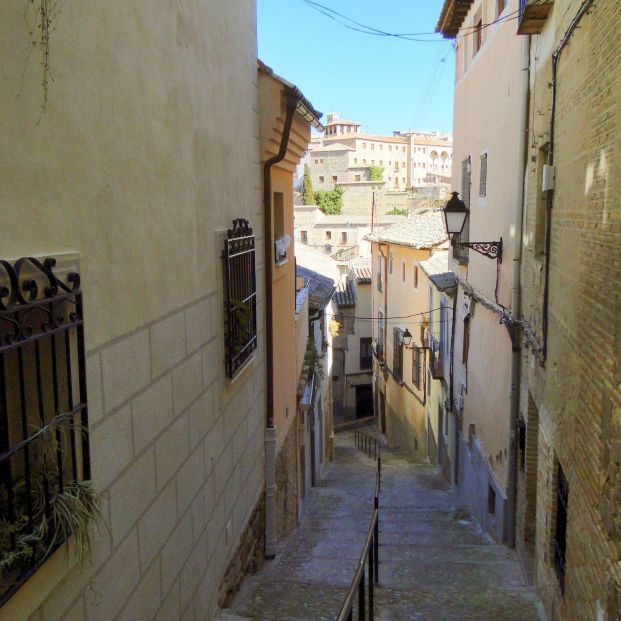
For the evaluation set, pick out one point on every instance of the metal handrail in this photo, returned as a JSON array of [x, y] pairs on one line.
[[370, 550], [368, 444]]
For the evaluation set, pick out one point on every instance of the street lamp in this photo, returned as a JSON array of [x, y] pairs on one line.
[[455, 214], [406, 338]]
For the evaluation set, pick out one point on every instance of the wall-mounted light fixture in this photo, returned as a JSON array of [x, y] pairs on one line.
[[455, 214]]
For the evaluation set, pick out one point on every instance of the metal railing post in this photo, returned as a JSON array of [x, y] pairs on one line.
[[376, 541], [361, 603], [371, 578]]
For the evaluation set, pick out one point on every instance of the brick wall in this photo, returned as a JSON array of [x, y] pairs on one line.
[[577, 393]]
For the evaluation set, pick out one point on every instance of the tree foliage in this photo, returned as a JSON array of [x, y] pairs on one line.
[[330, 201], [376, 173], [308, 196]]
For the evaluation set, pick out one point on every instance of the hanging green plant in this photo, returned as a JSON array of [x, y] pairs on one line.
[[59, 511]]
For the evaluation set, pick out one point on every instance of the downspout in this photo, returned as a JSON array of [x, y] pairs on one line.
[[452, 389], [516, 287], [270, 429], [556, 56]]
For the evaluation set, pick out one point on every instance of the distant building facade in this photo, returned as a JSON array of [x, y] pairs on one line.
[[352, 370]]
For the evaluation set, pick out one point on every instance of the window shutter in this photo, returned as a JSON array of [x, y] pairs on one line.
[[483, 176]]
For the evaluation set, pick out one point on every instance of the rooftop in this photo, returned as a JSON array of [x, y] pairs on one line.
[[361, 267], [452, 17], [423, 229], [333, 147], [320, 273], [345, 294], [436, 263]]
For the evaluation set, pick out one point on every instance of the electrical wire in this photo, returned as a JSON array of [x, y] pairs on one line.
[[393, 317], [407, 36]]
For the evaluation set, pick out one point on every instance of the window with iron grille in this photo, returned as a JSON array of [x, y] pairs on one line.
[[417, 364], [44, 446], [380, 335], [461, 252], [397, 356], [240, 296], [483, 176], [366, 353], [560, 528]]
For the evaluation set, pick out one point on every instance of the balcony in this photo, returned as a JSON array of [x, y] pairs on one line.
[[436, 359], [533, 15]]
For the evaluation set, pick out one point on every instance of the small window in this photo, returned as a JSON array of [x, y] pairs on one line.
[[343, 237], [304, 237], [390, 263], [316, 161], [478, 34], [364, 145], [415, 276], [357, 177], [491, 500], [334, 178], [403, 149], [483, 176], [364, 161], [390, 147], [372, 162], [397, 357], [366, 360], [372, 146], [355, 160], [381, 147], [44, 443], [279, 215], [417, 365], [320, 178], [466, 341], [328, 234], [560, 526], [402, 271]]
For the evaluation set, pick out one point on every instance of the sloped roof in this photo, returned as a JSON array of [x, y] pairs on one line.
[[452, 17], [436, 263], [423, 229], [436, 267], [345, 294], [333, 147], [319, 271], [362, 270]]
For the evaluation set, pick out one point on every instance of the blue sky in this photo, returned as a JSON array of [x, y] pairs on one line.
[[383, 82]]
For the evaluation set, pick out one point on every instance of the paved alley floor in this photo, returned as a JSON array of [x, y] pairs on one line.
[[432, 566]]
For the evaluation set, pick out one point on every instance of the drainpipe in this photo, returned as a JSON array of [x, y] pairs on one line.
[[556, 57], [514, 397], [270, 429]]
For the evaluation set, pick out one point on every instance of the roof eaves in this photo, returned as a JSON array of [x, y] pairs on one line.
[[304, 107], [452, 17]]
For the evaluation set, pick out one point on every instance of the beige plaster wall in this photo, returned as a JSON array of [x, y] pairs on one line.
[[147, 148], [488, 124]]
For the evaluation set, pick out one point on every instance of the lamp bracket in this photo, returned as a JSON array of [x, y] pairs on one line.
[[492, 250]]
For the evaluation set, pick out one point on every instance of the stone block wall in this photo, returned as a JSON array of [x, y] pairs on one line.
[[179, 458], [287, 484]]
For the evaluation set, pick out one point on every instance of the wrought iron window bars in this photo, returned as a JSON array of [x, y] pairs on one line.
[[44, 444], [240, 296]]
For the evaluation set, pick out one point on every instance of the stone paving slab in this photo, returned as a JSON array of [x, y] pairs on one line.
[[432, 566]]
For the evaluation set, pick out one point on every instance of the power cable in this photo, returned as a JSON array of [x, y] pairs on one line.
[[407, 36]]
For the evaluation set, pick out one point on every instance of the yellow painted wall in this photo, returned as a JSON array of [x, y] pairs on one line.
[[405, 412]]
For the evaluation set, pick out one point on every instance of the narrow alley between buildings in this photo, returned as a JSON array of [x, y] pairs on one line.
[[434, 564]]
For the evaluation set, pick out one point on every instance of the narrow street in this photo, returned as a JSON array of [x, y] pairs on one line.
[[432, 566]]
